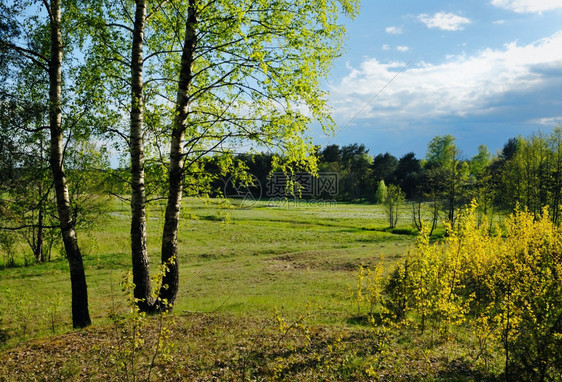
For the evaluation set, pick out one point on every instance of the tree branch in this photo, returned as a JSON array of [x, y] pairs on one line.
[[155, 9], [122, 198], [127, 12], [120, 26], [160, 52], [29, 54], [48, 8], [28, 226], [124, 136]]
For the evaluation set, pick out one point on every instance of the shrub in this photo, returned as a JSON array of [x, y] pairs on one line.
[[506, 286]]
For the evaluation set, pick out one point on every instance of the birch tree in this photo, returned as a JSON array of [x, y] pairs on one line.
[[35, 44], [205, 78]]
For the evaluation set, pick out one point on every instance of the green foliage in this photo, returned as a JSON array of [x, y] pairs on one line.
[[255, 79], [384, 168], [24, 115], [381, 193], [7, 245], [508, 289], [395, 197], [54, 311], [531, 177], [442, 151], [21, 311], [367, 293], [353, 166], [480, 161], [29, 209]]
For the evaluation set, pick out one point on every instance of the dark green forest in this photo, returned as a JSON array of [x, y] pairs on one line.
[[525, 172]]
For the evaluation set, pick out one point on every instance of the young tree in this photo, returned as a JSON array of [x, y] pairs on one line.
[[394, 199], [531, 175], [447, 170], [480, 161], [522, 182], [29, 206], [442, 151], [497, 169], [381, 193], [431, 191], [480, 181]]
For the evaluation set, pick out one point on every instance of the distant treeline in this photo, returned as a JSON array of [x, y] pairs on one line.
[[525, 173]]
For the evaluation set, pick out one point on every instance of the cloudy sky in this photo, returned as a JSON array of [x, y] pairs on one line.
[[481, 70]]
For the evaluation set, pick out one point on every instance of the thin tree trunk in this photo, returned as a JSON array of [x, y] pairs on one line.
[[557, 187], [169, 288], [40, 218], [452, 193], [139, 252], [80, 313], [435, 216], [39, 243]]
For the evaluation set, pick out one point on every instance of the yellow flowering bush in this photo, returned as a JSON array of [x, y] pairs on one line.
[[505, 287]]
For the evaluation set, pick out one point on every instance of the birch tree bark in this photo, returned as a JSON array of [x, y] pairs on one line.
[[169, 256], [141, 272], [80, 312]]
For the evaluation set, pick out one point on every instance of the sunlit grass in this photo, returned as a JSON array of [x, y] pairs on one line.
[[235, 260]]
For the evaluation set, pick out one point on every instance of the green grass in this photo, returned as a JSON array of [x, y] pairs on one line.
[[241, 271], [235, 260]]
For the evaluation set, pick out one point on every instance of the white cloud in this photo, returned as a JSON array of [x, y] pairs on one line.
[[463, 85], [394, 30], [528, 6], [552, 121], [400, 48], [444, 21]]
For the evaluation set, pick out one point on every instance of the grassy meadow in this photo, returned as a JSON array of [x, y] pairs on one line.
[[236, 260], [265, 294]]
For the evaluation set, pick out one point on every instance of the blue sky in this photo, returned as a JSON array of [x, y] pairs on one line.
[[481, 70]]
